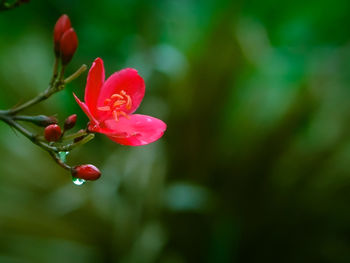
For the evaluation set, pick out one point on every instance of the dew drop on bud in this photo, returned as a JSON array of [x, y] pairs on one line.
[[86, 172], [78, 181]]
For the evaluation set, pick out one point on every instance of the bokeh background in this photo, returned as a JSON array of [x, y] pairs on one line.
[[254, 166]]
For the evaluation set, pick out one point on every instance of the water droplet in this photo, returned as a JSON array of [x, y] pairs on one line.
[[78, 181], [63, 156]]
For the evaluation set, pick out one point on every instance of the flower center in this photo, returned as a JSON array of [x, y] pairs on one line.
[[117, 104]]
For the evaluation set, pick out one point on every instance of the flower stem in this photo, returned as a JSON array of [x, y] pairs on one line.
[[42, 96], [76, 74], [61, 74], [71, 146], [86, 139], [36, 139], [55, 70], [39, 120], [59, 161], [74, 135], [31, 136]]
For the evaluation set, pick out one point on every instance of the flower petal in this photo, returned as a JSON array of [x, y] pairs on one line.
[[94, 84], [86, 110], [128, 80], [136, 131]]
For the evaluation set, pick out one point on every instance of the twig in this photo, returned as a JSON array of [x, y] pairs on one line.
[[75, 74], [57, 84]]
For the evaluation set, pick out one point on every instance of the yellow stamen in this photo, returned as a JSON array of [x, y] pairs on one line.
[[104, 108], [117, 96], [118, 103], [128, 103], [124, 114], [115, 115]]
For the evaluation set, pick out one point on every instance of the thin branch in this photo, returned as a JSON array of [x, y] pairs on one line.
[[55, 70], [31, 136], [74, 135], [76, 74], [59, 161], [42, 96]]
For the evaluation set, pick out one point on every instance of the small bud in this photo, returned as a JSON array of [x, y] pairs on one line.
[[52, 133], [68, 45], [69, 123], [61, 26], [80, 137], [43, 120], [86, 172]]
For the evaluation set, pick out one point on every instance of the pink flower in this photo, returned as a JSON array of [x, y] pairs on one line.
[[110, 106]]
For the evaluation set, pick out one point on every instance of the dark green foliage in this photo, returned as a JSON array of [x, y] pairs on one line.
[[254, 166]]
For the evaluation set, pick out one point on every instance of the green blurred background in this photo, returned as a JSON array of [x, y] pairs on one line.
[[254, 166]]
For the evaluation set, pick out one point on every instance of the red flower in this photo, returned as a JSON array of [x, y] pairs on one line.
[[110, 105]]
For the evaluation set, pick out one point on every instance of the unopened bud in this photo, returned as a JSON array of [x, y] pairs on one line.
[[43, 120], [80, 137], [52, 133], [61, 26], [69, 123], [68, 45], [86, 172]]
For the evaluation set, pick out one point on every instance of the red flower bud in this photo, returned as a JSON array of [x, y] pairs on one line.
[[70, 122], [62, 25], [52, 133], [86, 172], [68, 45]]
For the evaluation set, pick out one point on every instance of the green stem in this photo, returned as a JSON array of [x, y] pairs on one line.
[[61, 74], [76, 74], [42, 96], [71, 146], [39, 120], [23, 118], [59, 161], [55, 70], [57, 86], [52, 150], [31, 136], [74, 135]]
